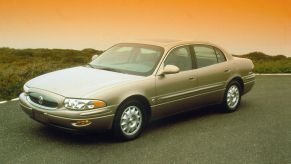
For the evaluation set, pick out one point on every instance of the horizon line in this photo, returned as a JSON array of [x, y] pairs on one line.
[[105, 50]]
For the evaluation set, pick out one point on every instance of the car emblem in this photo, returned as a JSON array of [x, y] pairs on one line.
[[40, 99]]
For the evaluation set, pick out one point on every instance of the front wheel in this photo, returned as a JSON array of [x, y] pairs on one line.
[[129, 121], [232, 97]]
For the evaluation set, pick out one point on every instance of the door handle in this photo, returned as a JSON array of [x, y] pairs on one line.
[[227, 70], [192, 78]]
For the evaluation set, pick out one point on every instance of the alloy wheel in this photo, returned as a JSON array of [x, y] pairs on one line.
[[233, 95], [131, 120]]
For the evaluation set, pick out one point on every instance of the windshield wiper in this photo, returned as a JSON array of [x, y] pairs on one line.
[[109, 69], [90, 65]]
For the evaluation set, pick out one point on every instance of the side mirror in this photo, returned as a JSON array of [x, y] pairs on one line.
[[94, 57], [169, 69]]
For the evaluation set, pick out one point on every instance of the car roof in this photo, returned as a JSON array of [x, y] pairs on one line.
[[169, 43]]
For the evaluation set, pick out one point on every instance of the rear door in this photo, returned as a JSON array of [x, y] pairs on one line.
[[212, 72]]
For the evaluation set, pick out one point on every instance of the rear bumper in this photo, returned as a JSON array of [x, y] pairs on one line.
[[249, 82], [63, 118]]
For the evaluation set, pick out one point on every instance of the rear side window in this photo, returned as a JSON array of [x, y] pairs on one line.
[[205, 56], [220, 55]]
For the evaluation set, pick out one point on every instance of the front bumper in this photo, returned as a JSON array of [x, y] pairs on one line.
[[97, 120]]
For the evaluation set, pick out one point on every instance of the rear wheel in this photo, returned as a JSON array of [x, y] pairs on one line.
[[232, 97], [130, 120]]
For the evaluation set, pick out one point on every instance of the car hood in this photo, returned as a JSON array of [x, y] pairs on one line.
[[77, 82]]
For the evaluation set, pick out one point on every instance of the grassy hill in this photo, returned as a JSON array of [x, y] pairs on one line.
[[17, 66], [269, 64]]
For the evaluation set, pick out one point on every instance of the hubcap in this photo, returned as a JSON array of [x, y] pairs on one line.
[[233, 96], [131, 120]]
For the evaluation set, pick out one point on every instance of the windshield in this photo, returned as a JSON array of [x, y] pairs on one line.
[[130, 58]]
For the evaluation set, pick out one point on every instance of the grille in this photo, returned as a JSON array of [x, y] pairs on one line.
[[42, 100]]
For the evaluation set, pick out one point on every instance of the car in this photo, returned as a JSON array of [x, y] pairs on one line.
[[133, 83]]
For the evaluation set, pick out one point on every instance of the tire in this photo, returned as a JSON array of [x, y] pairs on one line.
[[129, 121], [232, 97]]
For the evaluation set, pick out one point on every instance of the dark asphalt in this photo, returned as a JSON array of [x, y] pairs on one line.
[[260, 132]]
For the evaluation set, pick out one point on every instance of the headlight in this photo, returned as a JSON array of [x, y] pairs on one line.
[[81, 104], [25, 88]]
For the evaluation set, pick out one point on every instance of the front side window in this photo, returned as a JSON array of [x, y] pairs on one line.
[[205, 56], [180, 57], [130, 58]]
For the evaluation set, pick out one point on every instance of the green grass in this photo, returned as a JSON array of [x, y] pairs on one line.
[[269, 64], [17, 66], [278, 66]]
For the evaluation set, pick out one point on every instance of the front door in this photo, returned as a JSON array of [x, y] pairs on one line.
[[174, 91]]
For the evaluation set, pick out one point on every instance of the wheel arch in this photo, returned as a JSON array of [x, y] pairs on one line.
[[239, 80], [142, 99]]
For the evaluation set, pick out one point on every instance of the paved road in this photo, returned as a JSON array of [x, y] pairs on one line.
[[260, 132]]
